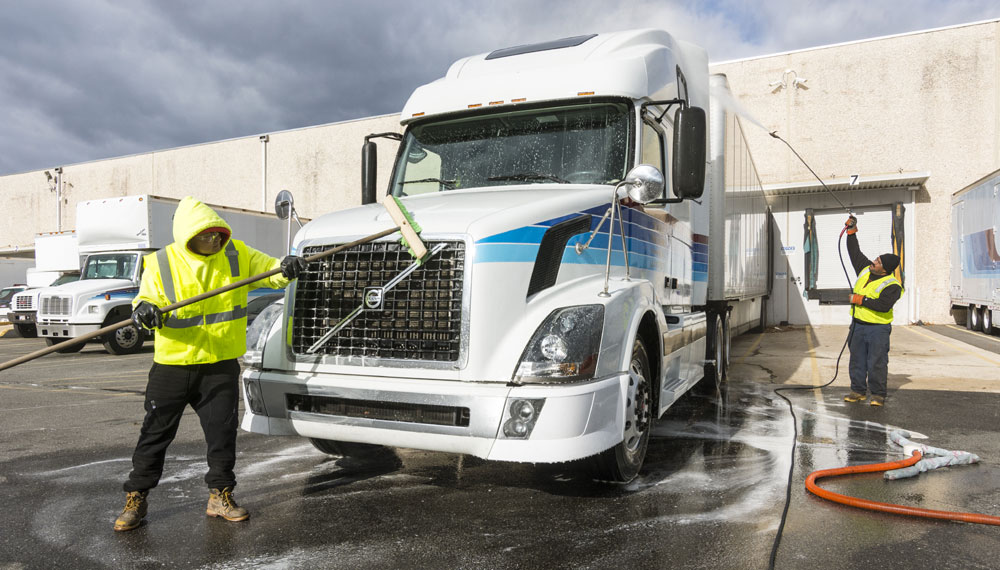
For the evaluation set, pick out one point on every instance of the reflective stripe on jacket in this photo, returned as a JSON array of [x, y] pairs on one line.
[[873, 289], [213, 329]]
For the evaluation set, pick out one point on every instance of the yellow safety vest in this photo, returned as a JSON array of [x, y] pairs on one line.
[[213, 329], [872, 289]]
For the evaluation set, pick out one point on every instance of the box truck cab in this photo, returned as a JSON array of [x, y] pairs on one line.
[[565, 303]]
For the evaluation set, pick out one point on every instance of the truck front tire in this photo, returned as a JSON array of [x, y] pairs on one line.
[[26, 331], [622, 462]]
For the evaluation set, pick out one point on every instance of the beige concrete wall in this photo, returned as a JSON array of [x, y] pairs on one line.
[[320, 165], [925, 102]]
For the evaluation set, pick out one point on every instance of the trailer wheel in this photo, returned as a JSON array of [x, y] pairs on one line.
[[69, 349], [987, 321], [26, 331], [715, 367], [126, 340], [727, 343], [972, 318], [622, 462]]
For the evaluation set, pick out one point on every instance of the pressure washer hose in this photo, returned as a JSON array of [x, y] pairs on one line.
[[815, 489]]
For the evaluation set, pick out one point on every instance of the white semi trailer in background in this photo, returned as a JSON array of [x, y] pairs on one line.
[[975, 253], [114, 234], [57, 261], [530, 333]]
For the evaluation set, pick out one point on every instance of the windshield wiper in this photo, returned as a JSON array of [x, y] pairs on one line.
[[449, 184], [526, 176]]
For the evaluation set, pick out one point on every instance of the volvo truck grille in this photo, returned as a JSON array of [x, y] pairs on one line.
[[56, 306], [378, 410], [418, 319]]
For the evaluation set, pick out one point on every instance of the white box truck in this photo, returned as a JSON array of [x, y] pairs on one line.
[[113, 234], [57, 261], [530, 334], [975, 253]]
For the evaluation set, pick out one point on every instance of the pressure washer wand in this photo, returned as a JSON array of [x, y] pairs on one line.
[[404, 225], [825, 187]]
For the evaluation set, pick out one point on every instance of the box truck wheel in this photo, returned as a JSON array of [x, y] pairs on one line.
[[622, 462], [26, 331], [126, 340], [69, 349], [987, 321], [972, 318]]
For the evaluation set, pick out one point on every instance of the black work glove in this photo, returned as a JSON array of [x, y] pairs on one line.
[[292, 266], [147, 315]]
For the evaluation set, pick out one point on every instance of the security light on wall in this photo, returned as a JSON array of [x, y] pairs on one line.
[[797, 82]]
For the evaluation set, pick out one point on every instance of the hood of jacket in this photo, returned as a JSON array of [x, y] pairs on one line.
[[193, 217]]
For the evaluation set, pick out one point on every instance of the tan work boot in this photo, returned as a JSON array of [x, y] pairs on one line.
[[855, 397], [222, 504], [877, 401], [135, 509]]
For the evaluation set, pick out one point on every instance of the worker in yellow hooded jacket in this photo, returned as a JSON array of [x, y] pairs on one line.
[[196, 351]]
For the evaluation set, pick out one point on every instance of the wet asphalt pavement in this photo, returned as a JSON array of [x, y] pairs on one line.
[[710, 495]]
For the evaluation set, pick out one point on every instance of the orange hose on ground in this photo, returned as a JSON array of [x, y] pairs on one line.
[[887, 507]]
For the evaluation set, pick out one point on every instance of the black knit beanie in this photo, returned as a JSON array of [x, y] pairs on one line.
[[890, 262]]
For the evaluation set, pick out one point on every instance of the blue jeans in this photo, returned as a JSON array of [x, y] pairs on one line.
[[870, 358]]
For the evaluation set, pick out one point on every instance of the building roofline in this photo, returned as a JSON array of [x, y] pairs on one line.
[[841, 44]]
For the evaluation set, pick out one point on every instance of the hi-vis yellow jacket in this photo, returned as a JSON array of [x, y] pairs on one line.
[[213, 329], [872, 289]]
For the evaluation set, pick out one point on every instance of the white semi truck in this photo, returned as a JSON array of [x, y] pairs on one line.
[[113, 234], [57, 261], [529, 333], [975, 253]]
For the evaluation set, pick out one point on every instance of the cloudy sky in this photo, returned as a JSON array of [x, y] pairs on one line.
[[86, 80]]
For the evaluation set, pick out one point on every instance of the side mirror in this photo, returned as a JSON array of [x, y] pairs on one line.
[[369, 168], [646, 183], [689, 153], [283, 205]]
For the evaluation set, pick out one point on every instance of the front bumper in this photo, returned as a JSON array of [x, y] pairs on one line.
[[573, 422], [56, 329], [21, 317]]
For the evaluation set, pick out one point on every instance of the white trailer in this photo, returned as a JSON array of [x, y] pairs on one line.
[[975, 253], [530, 334], [57, 261], [114, 234]]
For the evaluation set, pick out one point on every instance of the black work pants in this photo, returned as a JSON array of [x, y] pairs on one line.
[[213, 391], [869, 366]]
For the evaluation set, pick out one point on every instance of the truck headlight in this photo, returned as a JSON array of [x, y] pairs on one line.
[[258, 332], [564, 348]]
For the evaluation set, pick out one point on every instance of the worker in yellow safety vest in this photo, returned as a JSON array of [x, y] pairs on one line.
[[196, 348], [875, 292]]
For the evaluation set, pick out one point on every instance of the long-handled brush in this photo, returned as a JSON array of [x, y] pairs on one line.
[[405, 225]]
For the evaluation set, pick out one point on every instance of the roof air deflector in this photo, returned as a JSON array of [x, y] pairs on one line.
[[544, 46]]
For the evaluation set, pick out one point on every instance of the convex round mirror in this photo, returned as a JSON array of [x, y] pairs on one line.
[[283, 204], [645, 183]]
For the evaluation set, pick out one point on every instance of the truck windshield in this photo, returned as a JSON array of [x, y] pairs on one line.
[[110, 266], [583, 143]]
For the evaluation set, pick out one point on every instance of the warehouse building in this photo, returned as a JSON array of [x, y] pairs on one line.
[[890, 126]]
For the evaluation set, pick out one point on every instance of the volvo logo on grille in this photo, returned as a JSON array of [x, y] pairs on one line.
[[374, 297]]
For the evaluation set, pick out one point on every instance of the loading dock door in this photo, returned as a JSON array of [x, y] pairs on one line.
[[874, 237]]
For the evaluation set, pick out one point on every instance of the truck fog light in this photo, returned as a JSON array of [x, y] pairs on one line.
[[93, 309], [554, 348], [522, 409], [255, 401], [515, 428], [523, 415]]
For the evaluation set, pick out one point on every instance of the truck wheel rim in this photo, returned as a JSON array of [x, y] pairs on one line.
[[637, 409], [126, 337]]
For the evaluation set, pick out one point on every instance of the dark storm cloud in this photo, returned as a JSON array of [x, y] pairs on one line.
[[82, 81]]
